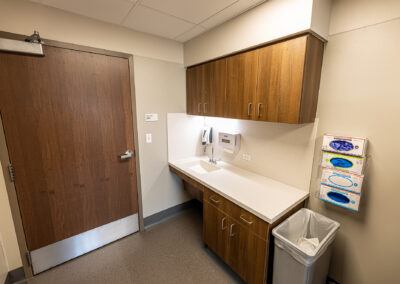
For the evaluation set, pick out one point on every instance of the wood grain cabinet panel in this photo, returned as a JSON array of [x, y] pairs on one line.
[[288, 80], [280, 81], [241, 85], [246, 253], [195, 89], [215, 229], [216, 84], [205, 87]]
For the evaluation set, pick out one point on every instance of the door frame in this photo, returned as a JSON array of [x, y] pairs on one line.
[[5, 159]]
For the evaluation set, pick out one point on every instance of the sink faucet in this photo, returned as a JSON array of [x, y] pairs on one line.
[[212, 159]]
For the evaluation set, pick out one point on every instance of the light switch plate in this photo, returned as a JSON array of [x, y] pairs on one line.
[[148, 138], [151, 117]]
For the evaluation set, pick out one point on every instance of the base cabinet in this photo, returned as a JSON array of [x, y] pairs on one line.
[[215, 229], [237, 236], [246, 253], [243, 250]]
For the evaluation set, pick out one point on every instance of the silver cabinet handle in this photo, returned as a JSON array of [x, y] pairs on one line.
[[231, 231], [249, 109], [198, 108], [223, 223], [212, 199], [128, 154], [204, 108], [244, 219], [258, 110]]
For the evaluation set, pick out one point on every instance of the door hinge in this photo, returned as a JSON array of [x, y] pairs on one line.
[[11, 172], [28, 258]]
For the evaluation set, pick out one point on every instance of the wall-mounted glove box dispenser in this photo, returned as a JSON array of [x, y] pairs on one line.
[[340, 197], [345, 145], [341, 162], [342, 180]]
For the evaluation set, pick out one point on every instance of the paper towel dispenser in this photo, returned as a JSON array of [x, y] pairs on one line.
[[230, 142]]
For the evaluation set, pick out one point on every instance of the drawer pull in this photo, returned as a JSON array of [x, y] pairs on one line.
[[244, 219], [248, 109], [258, 110], [214, 200], [223, 223], [198, 108], [231, 231]]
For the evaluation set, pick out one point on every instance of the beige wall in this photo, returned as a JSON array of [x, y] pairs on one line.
[[268, 21], [22, 17], [359, 96], [160, 88], [7, 230], [3, 263], [283, 152]]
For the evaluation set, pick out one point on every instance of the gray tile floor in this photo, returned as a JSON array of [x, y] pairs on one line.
[[168, 252]]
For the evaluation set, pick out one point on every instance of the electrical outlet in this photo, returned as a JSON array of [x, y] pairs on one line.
[[148, 138], [246, 157]]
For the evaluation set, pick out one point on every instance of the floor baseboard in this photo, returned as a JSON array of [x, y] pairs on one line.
[[170, 212], [331, 281], [15, 276]]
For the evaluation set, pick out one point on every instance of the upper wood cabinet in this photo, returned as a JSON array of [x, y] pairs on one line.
[[241, 85], [276, 83], [286, 72], [205, 87], [195, 89]]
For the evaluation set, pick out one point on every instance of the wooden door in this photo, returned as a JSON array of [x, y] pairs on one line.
[[215, 229], [67, 117], [216, 82], [241, 85], [280, 81], [195, 89], [246, 253]]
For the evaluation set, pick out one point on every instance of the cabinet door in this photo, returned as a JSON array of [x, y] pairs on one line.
[[195, 89], [246, 253], [214, 98], [215, 229], [241, 85], [280, 81]]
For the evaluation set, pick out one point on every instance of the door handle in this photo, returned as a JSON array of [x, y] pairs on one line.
[[223, 223], [249, 109], [258, 110], [231, 234], [128, 154]]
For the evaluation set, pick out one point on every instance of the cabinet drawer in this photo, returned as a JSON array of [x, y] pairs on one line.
[[239, 214], [250, 221], [216, 200]]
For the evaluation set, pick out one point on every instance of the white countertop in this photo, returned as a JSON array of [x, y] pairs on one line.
[[266, 198]]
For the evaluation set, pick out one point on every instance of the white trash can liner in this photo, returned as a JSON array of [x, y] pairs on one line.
[[305, 224]]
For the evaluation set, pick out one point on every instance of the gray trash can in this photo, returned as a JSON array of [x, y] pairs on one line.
[[303, 248]]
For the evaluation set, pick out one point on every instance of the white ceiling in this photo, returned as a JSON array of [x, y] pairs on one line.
[[179, 20]]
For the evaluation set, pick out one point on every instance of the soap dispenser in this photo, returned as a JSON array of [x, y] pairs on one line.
[[206, 135]]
